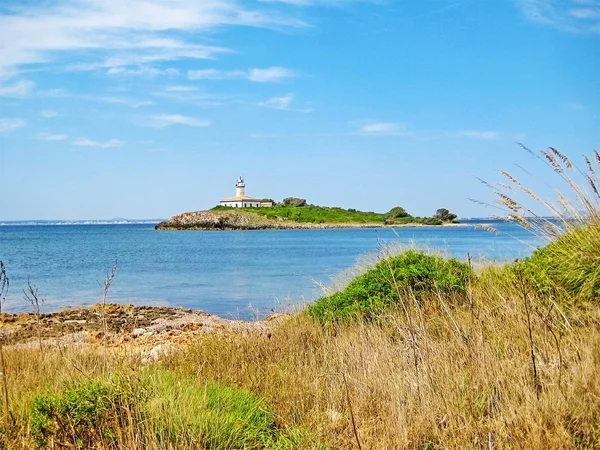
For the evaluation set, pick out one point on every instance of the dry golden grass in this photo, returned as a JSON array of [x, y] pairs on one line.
[[462, 378]]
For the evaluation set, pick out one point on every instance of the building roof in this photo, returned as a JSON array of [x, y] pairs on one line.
[[240, 198]]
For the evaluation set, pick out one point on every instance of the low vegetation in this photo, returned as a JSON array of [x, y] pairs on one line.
[[418, 352], [412, 274], [126, 410], [297, 210]]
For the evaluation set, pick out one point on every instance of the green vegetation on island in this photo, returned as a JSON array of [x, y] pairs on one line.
[[298, 210]]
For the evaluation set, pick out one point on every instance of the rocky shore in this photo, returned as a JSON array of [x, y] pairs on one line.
[[141, 326], [233, 220]]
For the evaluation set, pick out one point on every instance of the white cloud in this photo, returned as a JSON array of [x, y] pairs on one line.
[[45, 136], [116, 33], [270, 74], [181, 88], [284, 103], [165, 120], [49, 114], [84, 142], [8, 125], [256, 75], [17, 89], [279, 102], [477, 134], [577, 16], [142, 71], [382, 129], [213, 74]]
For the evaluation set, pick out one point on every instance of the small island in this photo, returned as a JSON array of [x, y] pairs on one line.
[[242, 212]]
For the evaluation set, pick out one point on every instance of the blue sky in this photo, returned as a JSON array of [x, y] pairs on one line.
[[148, 108]]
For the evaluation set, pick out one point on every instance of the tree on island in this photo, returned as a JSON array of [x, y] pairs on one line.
[[293, 201], [397, 213], [444, 215]]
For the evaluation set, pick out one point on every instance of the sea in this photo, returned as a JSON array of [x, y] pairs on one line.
[[234, 274]]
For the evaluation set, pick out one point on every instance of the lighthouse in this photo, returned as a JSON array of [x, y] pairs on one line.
[[240, 188]]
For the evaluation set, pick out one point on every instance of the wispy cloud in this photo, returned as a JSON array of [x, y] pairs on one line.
[[7, 125], [381, 129], [214, 74], [118, 101], [48, 114], [270, 74], [191, 95], [181, 89], [19, 88], [165, 120], [285, 103], [578, 16], [477, 134], [121, 33], [46, 136], [84, 142], [142, 71]]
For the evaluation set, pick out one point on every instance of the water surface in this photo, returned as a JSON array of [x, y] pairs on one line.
[[242, 274]]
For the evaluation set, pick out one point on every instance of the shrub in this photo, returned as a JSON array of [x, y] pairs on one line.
[[411, 273], [86, 415], [396, 213], [159, 408], [570, 263], [293, 201]]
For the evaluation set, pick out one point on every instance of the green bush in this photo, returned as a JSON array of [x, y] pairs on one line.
[[571, 264], [411, 273], [294, 201], [397, 212], [158, 408], [86, 415]]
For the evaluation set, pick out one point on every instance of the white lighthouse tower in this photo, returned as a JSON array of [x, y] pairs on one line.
[[240, 188]]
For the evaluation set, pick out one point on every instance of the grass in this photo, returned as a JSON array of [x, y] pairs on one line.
[[506, 365], [324, 214]]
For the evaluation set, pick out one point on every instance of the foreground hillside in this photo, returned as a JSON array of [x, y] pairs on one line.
[[416, 351], [291, 217]]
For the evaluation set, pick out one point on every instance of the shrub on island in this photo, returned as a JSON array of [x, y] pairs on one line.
[[390, 282]]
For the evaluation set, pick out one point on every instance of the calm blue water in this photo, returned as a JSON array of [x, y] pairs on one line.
[[241, 274]]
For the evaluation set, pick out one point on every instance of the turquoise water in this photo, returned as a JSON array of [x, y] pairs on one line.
[[243, 274]]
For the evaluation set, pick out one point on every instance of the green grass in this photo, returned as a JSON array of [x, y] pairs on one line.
[[159, 407], [325, 214], [412, 273], [571, 263]]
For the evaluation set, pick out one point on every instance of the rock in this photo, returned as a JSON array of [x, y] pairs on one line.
[[138, 332], [157, 353]]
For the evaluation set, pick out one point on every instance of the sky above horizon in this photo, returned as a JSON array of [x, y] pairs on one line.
[[148, 108]]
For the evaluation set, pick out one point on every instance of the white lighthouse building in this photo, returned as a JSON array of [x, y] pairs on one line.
[[241, 200]]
